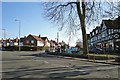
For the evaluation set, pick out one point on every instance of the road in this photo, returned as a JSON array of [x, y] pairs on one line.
[[41, 65]]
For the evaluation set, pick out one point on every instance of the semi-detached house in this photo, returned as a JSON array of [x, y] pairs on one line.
[[34, 41]]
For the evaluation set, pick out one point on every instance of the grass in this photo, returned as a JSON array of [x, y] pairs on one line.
[[90, 55], [102, 55]]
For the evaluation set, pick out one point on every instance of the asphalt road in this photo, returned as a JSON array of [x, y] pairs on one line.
[[41, 65]]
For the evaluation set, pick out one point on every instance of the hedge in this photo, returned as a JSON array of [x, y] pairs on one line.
[[22, 48]]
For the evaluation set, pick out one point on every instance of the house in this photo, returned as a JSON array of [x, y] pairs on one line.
[[0, 43], [23, 41], [6, 42], [34, 41], [46, 41], [16, 41], [106, 36], [53, 45], [64, 46], [11, 42]]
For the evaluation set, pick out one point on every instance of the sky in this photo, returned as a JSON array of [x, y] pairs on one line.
[[32, 19]]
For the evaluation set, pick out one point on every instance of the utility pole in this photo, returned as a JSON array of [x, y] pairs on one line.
[[57, 37], [4, 33], [19, 31], [58, 42]]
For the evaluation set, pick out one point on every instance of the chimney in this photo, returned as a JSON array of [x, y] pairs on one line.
[[9, 40], [39, 36]]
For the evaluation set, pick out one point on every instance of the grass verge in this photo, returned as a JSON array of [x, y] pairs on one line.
[[90, 56]]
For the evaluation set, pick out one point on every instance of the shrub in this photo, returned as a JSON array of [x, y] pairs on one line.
[[27, 48], [11, 48], [45, 48]]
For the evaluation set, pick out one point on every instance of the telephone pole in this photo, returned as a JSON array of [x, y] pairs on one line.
[[4, 33], [57, 37], [19, 30]]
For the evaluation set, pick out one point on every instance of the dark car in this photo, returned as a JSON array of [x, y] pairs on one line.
[[96, 50]]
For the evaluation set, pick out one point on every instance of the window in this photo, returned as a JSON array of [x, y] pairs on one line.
[[104, 34], [115, 30], [119, 30], [103, 27], [27, 41], [93, 33], [109, 31], [99, 36], [91, 39], [96, 31], [112, 30], [32, 41]]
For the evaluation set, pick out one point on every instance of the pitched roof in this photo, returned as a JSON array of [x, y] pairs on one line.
[[112, 24], [54, 42], [36, 37], [22, 39], [44, 38], [16, 39]]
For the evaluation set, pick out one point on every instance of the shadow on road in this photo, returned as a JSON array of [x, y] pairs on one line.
[[55, 72], [41, 55], [58, 72]]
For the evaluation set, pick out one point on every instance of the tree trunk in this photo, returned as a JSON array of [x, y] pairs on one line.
[[85, 41], [83, 26]]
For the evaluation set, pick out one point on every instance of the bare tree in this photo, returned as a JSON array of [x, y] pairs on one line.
[[74, 16]]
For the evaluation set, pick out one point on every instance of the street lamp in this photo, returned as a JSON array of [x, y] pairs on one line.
[[19, 30], [4, 33]]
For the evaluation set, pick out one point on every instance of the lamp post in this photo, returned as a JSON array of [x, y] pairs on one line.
[[4, 33], [19, 30]]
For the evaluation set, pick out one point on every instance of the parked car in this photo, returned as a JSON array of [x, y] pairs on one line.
[[75, 50], [96, 50]]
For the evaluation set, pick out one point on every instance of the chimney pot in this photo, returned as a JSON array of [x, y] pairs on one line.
[[39, 36]]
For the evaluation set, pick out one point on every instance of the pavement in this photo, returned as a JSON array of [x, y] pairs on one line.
[[109, 61], [44, 66]]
